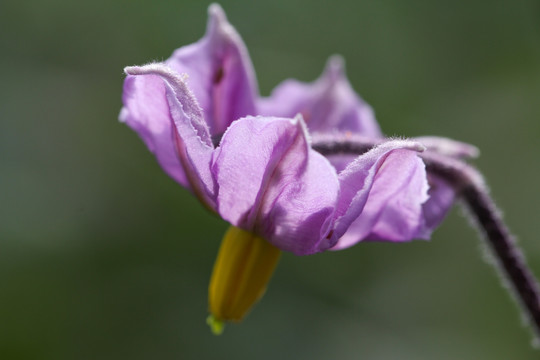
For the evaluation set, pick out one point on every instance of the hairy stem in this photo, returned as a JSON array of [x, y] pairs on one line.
[[469, 185]]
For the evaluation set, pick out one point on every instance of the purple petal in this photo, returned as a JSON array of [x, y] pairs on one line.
[[220, 72], [396, 206], [190, 137], [328, 104], [146, 111], [448, 147], [271, 182], [382, 193], [441, 199]]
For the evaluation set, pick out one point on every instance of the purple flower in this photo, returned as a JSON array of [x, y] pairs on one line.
[[262, 176]]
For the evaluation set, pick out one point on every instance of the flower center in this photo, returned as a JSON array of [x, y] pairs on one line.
[[243, 267]]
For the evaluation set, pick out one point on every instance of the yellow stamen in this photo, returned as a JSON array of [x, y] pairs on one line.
[[244, 266]]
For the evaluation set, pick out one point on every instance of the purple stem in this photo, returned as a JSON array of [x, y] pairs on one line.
[[469, 185]]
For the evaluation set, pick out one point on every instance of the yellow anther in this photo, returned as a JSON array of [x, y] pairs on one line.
[[244, 266]]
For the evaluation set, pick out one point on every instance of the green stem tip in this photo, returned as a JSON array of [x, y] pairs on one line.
[[217, 326]]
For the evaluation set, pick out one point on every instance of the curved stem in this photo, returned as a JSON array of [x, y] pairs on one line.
[[511, 263], [469, 185]]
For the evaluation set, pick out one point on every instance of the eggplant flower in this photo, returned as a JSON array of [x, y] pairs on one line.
[[250, 161]]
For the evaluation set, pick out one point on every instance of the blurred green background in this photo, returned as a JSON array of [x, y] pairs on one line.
[[102, 256]]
